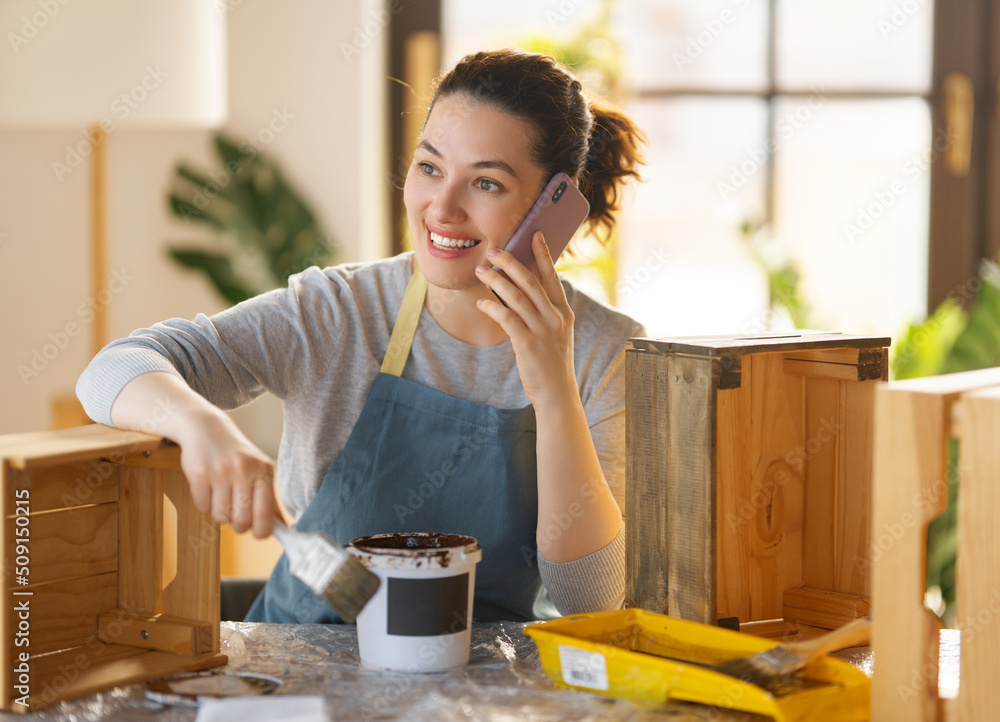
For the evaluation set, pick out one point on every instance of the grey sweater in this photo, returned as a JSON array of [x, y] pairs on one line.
[[318, 344]]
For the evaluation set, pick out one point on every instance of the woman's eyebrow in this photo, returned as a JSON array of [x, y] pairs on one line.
[[497, 164]]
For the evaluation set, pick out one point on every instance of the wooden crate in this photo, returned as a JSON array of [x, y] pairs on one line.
[[915, 420], [111, 576], [748, 477]]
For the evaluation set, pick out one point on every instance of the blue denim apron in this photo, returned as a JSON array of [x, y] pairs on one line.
[[422, 460]]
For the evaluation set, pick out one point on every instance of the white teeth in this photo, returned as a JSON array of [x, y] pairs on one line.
[[444, 242]]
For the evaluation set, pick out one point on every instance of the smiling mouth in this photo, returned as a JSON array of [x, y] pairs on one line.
[[452, 244]]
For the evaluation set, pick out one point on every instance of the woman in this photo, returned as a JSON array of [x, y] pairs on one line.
[[503, 421]]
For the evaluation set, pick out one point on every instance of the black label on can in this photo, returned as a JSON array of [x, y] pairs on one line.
[[428, 607]]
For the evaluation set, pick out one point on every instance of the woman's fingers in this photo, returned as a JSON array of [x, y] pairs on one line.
[[230, 478]]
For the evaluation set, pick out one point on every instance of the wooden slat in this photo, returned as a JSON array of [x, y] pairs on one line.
[[819, 457], [73, 542], [978, 564], [771, 629], [690, 491], [776, 414], [140, 540], [102, 667], [852, 356], [645, 504], [910, 489], [735, 508], [68, 446], [166, 456], [194, 592], [160, 632], [52, 674], [10, 480], [845, 372], [854, 488], [64, 614], [61, 486], [822, 608], [719, 345]]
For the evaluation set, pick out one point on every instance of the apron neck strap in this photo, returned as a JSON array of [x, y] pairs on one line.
[[406, 325]]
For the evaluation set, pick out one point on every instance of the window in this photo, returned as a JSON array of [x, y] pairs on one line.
[[807, 121]]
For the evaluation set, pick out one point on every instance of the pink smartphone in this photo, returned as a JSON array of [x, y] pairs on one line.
[[559, 211]]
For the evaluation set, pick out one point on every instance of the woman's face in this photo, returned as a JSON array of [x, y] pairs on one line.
[[471, 182]]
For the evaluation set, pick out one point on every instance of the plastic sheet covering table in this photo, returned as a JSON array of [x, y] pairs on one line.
[[503, 681]]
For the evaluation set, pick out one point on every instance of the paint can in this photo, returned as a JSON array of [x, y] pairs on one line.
[[420, 620]]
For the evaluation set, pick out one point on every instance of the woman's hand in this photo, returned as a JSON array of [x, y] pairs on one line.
[[229, 476], [538, 320], [571, 482]]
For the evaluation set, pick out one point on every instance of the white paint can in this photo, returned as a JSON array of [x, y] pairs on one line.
[[420, 620]]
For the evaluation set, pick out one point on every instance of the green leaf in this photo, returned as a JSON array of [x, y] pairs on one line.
[[256, 212], [924, 347], [189, 212], [218, 268]]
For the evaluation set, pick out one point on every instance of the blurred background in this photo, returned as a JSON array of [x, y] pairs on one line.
[[827, 164]]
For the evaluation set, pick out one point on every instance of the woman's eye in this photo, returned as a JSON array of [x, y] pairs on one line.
[[485, 184], [426, 168]]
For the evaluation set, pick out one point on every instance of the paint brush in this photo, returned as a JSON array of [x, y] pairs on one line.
[[329, 570], [773, 668]]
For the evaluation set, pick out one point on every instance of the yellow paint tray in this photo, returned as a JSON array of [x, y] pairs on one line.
[[655, 658]]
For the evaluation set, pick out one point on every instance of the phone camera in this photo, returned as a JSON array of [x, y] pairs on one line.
[[560, 189]]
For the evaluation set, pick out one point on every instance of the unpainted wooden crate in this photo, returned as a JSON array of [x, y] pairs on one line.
[[749, 477], [916, 420], [111, 576]]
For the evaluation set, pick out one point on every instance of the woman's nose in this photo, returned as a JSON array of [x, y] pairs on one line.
[[446, 206]]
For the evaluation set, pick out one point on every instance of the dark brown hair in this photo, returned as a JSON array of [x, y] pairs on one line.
[[588, 139]]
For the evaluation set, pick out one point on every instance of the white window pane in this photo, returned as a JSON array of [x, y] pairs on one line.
[[852, 200], [468, 27], [683, 268], [711, 44], [854, 44]]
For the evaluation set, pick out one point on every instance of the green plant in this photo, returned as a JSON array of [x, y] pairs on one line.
[[264, 230], [953, 338], [780, 271]]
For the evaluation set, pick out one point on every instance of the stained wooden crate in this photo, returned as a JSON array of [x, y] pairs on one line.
[[749, 476], [915, 421], [111, 576]]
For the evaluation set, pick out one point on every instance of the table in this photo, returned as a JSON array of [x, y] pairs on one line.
[[504, 681]]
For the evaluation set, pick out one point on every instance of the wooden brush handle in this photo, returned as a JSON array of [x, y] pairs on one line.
[[851, 634]]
